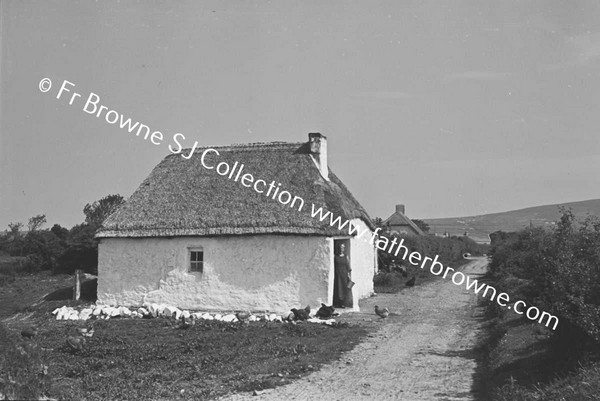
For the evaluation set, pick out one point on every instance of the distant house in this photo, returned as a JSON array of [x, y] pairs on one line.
[[398, 223], [198, 235]]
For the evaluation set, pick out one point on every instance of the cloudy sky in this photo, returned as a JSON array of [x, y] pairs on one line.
[[452, 108]]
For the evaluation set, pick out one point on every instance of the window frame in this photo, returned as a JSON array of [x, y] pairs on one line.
[[191, 263]]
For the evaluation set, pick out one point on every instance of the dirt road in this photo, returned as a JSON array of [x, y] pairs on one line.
[[422, 353]]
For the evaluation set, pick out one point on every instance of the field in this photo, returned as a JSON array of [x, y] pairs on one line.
[[150, 358], [479, 227]]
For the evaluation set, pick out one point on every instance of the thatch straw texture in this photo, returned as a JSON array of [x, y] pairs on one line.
[[183, 198], [399, 219]]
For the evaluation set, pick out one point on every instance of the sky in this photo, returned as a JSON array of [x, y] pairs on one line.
[[451, 108]]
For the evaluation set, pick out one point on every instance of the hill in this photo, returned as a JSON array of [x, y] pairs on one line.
[[478, 227]]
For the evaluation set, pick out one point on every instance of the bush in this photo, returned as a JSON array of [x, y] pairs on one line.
[[558, 270], [12, 244], [43, 248], [7, 277], [81, 251], [383, 279]]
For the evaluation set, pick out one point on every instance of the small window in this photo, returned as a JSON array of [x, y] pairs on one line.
[[196, 261]]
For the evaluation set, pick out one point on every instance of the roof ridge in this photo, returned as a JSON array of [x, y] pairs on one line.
[[249, 146]]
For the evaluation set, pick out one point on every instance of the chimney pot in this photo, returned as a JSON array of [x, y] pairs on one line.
[[318, 151], [400, 209]]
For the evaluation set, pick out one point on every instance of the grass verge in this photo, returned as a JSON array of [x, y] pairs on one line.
[[522, 363]]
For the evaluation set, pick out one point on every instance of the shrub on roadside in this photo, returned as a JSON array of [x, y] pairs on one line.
[[382, 279], [557, 270], [450, 250]]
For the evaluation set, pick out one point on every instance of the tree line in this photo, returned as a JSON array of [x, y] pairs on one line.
[[59, 249]]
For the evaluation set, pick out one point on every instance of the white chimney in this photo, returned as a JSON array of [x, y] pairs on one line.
[[318, 152]]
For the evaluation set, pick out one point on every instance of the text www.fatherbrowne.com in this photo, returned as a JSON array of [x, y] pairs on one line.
[[396, 248], [274, 191]]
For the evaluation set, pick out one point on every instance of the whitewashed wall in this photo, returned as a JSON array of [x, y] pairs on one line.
[[266, 272], [362, 259]]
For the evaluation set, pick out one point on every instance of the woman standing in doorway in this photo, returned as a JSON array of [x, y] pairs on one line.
[[341, 291]]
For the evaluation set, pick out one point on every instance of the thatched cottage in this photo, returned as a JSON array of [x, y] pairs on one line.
[[197, 234], [399, 224]]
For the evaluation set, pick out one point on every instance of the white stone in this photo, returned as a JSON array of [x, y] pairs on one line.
[[124, 311], [153, 309], [142, 311], [55, 311], [171, 311], [64, 310], [252, 318], [272, 317], [97, 311], [114, 312], [186, 314], [229, 318], [85, 314], [66, 313], [166, 311], [218, 316], [160, 309]]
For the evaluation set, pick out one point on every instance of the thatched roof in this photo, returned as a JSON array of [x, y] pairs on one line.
[[183, 198], [400, 219]]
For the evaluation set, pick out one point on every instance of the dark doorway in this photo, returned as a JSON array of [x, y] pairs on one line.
[[342, 278]]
